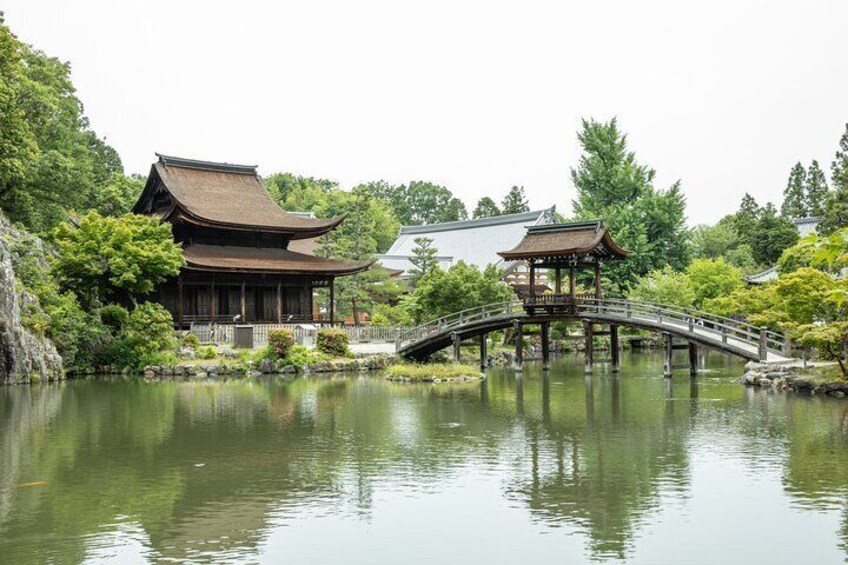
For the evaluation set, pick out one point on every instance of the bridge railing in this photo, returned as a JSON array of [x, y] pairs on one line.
[[687, 320]]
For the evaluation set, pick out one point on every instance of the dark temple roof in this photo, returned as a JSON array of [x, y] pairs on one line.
[[579, 241], [264, 259], [223, 195]]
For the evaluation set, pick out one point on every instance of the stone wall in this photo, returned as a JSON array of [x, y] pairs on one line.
[[24, 356], [790, 377]]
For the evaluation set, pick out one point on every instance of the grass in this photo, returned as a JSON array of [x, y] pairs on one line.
[[429, 373]]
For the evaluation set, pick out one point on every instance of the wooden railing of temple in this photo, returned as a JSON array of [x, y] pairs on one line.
[[723, 333]]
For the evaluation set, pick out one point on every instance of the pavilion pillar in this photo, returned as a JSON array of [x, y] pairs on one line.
[[558, 289], [484, 355], [693, 359], [279, 303], [457, 347], [668, 367], [597, 279], [589, 345], [213, 302], [572, 287], [332, 301], [519, 346], [546, 346], [615, 353], [179, 300], [243, 303], [532, 280]]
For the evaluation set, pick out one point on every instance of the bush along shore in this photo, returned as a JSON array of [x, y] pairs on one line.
[[434, 373], [824, 380], [251, 368]]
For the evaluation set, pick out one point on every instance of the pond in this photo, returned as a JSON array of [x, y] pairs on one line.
[[541, 468]]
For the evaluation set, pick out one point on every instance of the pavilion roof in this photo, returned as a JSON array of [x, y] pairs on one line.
[[224, 195], [266, 259], [576, 243]]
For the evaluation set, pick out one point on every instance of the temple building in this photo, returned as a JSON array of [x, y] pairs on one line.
[[247, 260]]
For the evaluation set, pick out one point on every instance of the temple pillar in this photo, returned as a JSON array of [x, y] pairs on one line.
[[457, 347], [179, 300], [279, 303], [532, 280], [213, 302], [546, 346], [598, 280], [558, 289], [572, 285], [615, 354], [243, 303], [332, 301]]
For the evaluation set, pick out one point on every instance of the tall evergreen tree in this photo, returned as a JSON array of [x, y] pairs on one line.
[[794, 197], [612, 185], [836, 207], [423, 257], [773, 234], [746, 217], [515, 201], [815, 190], [486, 208]]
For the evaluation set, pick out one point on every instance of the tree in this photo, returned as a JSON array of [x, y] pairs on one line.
[[794, 197], [50, 160], [121, 259], [815, 190], [771, 235], [515, 201], [118, 195], [486, 208], [423, 257], [835, 214], [714, 241], [711, 278], [297, 193], [427, 203], [664, 286], [463, 286], [612, 185], [744, 220], [827, 253]]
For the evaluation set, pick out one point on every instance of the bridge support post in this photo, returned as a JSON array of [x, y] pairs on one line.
[[614, 350], [589, 336], [457, 346], [668, 367], [762, 350], [484, 355], [546, 345], [693, 359], [518, 361]]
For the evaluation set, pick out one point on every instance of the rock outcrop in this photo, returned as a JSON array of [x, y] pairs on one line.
[[24, 356]]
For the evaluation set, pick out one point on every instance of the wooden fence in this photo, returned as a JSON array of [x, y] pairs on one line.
[[221, 334]]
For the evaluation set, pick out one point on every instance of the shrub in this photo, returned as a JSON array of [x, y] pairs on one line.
[[300, 356], [333, 342], [114, 317], [206, 352], [280, 343], [147, 333], [191, 341]]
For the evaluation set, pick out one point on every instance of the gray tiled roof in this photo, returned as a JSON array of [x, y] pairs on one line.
[[475, 242]]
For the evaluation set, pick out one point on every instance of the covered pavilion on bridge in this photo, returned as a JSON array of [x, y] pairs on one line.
[[558, 247]]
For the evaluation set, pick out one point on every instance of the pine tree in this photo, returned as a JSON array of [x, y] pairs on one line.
[[816, 190], [794, 199], [745, 219], [836, 207], [423, 257], [486, 208], [515, 201]]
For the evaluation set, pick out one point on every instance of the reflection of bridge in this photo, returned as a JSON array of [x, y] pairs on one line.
[[696, 328]]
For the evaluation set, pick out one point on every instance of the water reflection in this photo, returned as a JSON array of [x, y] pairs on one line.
[[220, 470]]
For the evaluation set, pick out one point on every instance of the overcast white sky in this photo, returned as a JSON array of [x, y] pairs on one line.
[[478, 96]]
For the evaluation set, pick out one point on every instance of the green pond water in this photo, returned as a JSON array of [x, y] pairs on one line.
[[557, 468]]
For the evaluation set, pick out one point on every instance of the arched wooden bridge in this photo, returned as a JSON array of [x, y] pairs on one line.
[[696, 328]]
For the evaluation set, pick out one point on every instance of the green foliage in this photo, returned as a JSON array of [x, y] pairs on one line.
[[300, 356], [333, 342], [823, 252], [463, 286], [280, 343], [815, 190], [515, 201], [830, 339], [664, 286], [613, 186], [420, 202], [388, 315], [106, 259], [711, 278], [190, 341], [146, 336], [486, 208], [206, 352], [836, 207], [423, 257], [50, 160], [431, 371], [772, 234], [794, 196]]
